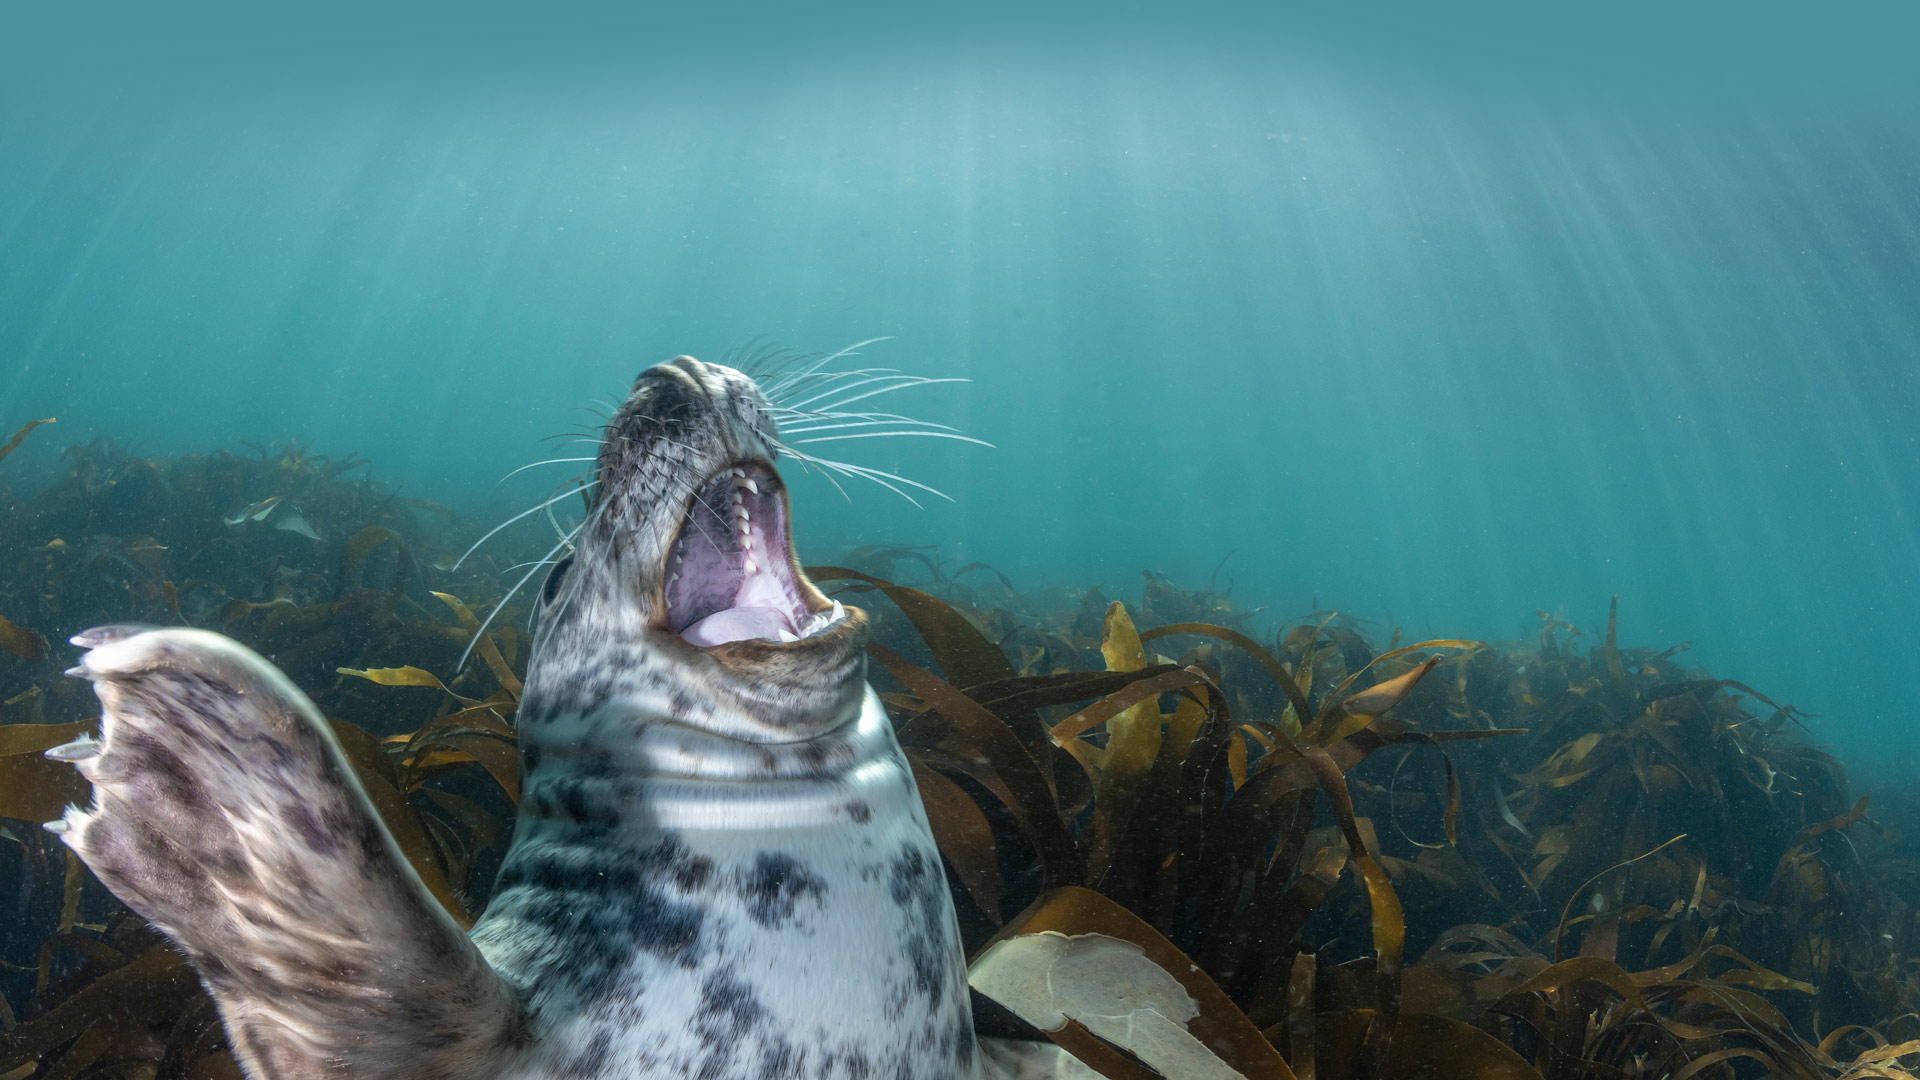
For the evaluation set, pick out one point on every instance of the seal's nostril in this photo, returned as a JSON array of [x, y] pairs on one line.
[[682, 371]]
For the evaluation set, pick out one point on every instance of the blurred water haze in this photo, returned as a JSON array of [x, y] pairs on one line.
[[1437, 318]]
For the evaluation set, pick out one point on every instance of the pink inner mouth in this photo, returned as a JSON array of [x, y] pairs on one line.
[[729, 575]]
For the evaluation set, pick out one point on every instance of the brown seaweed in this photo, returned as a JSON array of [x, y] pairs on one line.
[[20, 436], [1447, 859]]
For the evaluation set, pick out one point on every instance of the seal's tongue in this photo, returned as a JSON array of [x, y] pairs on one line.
[[740, 624], [730, 576]]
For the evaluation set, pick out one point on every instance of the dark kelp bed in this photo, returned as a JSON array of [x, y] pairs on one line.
[[1435, 859]]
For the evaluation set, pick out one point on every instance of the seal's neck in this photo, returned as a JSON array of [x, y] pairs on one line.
[[627, 763]]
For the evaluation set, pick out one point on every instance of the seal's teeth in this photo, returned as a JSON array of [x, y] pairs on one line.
[[79, 671], [79, 749], [741, 513], [751, 568], [740, 481], [786, 634], [839, 611]]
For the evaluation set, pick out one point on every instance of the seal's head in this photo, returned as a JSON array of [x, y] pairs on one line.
[[683, 587]]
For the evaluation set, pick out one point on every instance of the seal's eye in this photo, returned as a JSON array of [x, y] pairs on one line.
[[554, 579]]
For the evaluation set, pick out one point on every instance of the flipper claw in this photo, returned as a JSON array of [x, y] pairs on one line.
[[80, 749], [104, 635]]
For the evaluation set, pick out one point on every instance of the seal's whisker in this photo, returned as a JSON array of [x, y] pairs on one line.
[[878, 476], [891, 434], [555, 522], [850, 470], [488, 621], [862, 376], [524, 513], [843, 402], [811, 417], [859, 419], [552, 559], [807, 464], [689, 488], [529, 562], [537, 464], [695, 492], [813, 365], [893, 382], [855, 420], [787, 382], [770, 362], [808, 429], [821, 378]]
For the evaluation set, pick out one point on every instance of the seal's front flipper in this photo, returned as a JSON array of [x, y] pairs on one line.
[[225, 813]]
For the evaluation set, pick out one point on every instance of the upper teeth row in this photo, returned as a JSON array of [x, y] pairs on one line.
[[742, 520]]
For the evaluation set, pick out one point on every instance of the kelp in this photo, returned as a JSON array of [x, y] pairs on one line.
[[1279, 852], [1243, 846], [20, 436], [21, 641], [115, 537]]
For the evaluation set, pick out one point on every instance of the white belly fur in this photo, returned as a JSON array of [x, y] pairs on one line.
[[669, 926]]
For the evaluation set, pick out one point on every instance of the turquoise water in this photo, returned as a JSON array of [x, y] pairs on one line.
[[1434, 324]]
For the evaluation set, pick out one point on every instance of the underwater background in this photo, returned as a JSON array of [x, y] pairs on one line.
[[1433, 321], [1497, 419]]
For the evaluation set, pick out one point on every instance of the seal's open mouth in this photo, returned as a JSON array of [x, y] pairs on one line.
[[730, 575]]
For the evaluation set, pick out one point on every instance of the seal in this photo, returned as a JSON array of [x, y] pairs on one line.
[[720, 868]]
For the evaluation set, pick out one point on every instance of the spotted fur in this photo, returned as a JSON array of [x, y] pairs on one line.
[[720, 869]]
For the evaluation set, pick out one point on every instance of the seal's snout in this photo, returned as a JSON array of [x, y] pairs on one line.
[[688, 462]]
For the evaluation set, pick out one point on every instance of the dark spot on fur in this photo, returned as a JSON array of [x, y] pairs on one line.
[[775, 885], [857, 1065], [693, 873], [318, 837], [922, 899], [859, 811], [590, 1063], [579, 800], [608, 903], [727, 1014], [960, 1042]]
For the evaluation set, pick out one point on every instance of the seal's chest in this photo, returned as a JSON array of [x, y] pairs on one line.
[[825, 951]]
